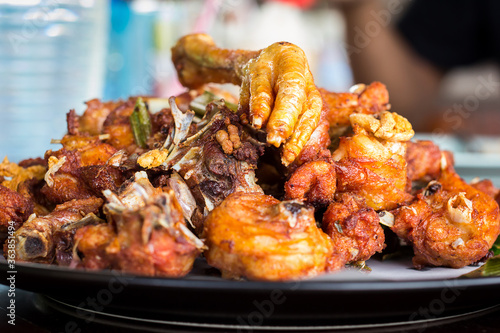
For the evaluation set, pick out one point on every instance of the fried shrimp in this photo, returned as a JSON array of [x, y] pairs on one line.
[[277, 87], [256, 236], [449, 224]]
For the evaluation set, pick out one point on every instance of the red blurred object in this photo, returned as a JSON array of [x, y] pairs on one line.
[[304, 4]]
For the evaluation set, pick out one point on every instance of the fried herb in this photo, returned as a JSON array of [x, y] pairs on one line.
[[141, 123], [490, 268], [496, 247]]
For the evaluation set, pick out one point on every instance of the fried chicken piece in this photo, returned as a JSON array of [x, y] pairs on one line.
[[449, 224], [64, 238], [92, 120], [101, 177], [255, 236], [18, 174], [13, 208], [313, 182], [92, 241], [199, 61], [371, 99], [63, 179], [117, 125], [371, 164], [149, 235], [277, 87], [424, 160], [34, 240], [355, 230], [486, 186], [154, 241]]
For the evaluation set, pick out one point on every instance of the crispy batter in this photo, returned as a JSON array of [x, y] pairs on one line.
[[18, 174], [424, 160], [256, 236], [371, 99], [450, 224], [13, 208], [313, 182], [92, 120], [390, 126], [354, 228], [373, 169]]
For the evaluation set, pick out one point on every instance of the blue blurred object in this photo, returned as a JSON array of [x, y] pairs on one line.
[[52, 59], [130, 63]]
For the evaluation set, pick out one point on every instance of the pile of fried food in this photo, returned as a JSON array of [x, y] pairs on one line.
[[287, 181]]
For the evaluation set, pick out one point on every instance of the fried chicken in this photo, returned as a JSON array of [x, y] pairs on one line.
[[449, 224], [313, 182], [424, 160], [255, 236], [355, 230], [35, 238], [80, 154], [371, 99], [147, 233], [14, 209], [371, 164], [277, 88]]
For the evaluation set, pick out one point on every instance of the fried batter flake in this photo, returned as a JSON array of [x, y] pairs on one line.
[[391, 126], [18, 174]]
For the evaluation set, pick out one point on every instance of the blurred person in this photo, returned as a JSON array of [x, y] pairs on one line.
[[412, 55]]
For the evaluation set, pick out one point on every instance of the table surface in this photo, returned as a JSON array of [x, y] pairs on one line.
[[33, 315]]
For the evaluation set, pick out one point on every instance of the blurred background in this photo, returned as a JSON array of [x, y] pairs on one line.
[[56, 54]]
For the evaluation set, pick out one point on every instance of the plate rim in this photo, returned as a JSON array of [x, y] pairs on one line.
[[103, 276]]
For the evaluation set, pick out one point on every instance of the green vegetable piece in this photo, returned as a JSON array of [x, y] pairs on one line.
[[141, 123], [492, 267], [496, 247]]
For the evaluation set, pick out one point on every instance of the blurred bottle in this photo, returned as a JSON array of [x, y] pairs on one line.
[[52, 59], [141, 35], [130, 63]]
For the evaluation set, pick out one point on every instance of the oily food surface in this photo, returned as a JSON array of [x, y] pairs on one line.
[[286, 182]]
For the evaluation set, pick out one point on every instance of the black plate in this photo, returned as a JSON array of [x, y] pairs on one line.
[[203, 297]]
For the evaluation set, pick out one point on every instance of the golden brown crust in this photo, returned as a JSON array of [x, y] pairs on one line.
[[14, 208], [450, 224], [354, 228], [313, 182], [255, 236], [371, 99]]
